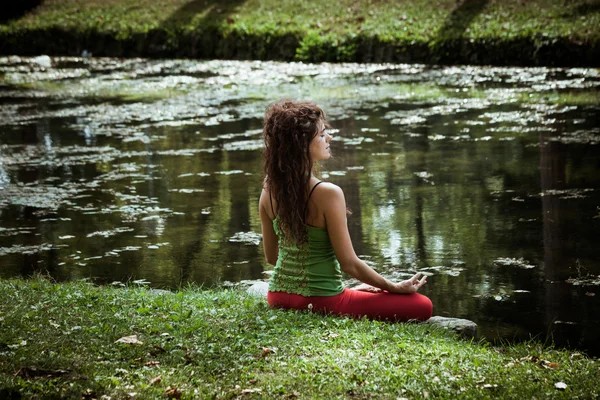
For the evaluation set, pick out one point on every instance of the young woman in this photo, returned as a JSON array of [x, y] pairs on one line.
[[305, 234]]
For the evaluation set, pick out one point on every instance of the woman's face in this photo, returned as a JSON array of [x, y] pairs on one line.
[[319, 146]]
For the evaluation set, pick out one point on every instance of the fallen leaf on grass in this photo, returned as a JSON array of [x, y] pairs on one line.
[[540, 362], [173, 393], [548, 364], [265, 352], [156, 380], [33, 372], [249, 391], [560, 385], [152, 363], [512, 364], [489, 386], [330, 336], [133, 339]]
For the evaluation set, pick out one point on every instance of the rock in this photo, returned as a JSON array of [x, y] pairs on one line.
[[43, 61], [258, 289], [464, 327]]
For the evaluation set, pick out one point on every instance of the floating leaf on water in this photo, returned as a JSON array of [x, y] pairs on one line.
[[19, 249], [452, 271], [249, 238], [436, 137], [129, 248], [244, 145], [423, 175], [65, 237], [187, 190], [412, 120], [111, 232], [151, 217], [589, 280], [513, 262]]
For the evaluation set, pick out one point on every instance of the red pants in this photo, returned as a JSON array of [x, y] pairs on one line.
[[354, 303]]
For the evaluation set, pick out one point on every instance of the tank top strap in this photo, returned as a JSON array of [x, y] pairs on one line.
[[312, 190], [310, 194]]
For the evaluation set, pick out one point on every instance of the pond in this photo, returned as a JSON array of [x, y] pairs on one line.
[[485, 179]]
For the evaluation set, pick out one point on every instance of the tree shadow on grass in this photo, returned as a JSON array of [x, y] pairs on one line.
[[460, 19], [583, 10], [196, 30], [218, 11], [16, 9], [199, 36]]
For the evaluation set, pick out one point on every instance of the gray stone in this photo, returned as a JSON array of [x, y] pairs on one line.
[[464, 327], [258, 289]]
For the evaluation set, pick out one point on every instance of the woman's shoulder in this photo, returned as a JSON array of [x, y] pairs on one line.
[[330, 188], [328, 192]]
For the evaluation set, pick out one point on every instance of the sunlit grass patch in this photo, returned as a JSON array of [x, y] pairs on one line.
[[324, 31]]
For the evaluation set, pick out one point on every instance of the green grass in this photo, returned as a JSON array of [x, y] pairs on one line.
[[326, 30], [58, 340], [409, 19]]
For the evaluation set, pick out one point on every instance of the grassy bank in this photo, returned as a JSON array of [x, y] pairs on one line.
[[61, 340], [533, 32]]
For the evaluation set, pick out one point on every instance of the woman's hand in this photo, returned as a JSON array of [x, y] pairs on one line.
[[411, 285], [363, 287]]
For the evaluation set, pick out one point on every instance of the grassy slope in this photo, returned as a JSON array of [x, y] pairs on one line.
[[225, 344], [406, 22]]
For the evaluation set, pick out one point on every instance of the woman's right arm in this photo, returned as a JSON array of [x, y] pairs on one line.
[[270, 244], [334, 208]]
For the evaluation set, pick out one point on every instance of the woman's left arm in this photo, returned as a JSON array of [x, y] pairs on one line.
[[270, 244]]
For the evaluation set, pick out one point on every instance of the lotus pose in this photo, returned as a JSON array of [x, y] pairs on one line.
[[305, 233]]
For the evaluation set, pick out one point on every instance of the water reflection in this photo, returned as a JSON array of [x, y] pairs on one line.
[[483, 178]]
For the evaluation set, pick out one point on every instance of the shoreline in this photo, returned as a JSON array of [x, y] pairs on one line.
[[522, 52]]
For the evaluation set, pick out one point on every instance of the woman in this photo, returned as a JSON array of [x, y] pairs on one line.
[[305, 234]]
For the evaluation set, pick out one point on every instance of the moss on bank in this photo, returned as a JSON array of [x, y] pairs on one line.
[[61, 340], [507, 32]]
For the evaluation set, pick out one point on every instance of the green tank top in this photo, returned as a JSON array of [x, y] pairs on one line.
[[311, 270]]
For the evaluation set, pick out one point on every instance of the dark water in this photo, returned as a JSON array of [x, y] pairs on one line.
[[485, 179]]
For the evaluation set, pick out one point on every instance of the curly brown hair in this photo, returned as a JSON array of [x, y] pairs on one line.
[[289, 127]]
